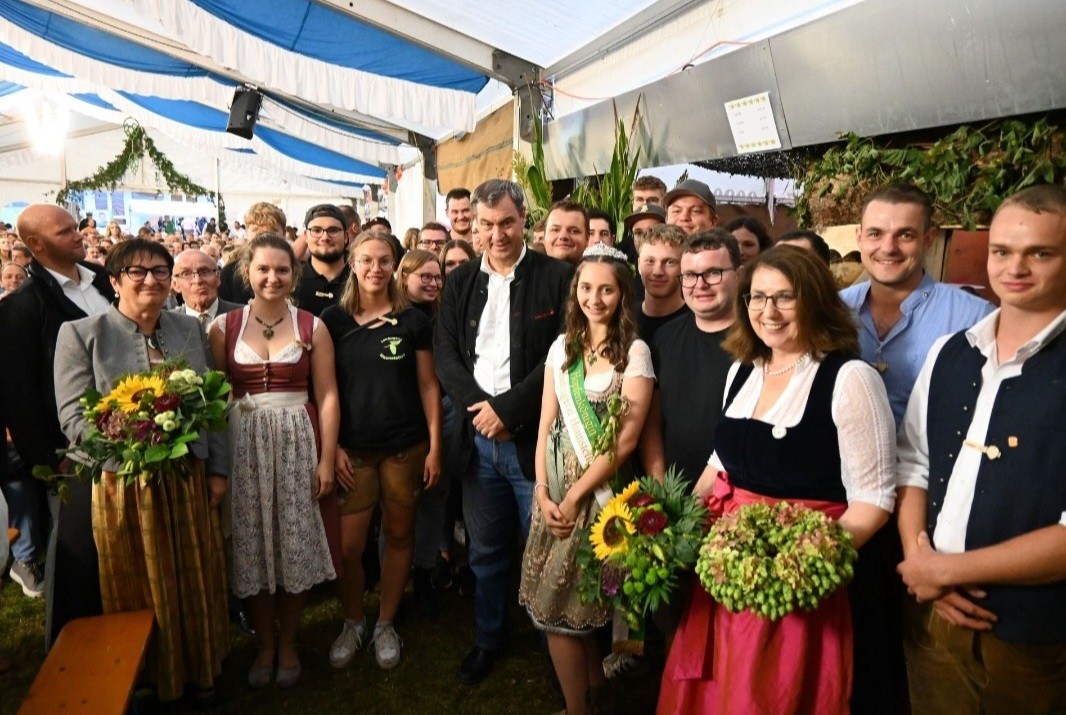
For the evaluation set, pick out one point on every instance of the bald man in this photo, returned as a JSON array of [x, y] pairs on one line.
[[61, 287]]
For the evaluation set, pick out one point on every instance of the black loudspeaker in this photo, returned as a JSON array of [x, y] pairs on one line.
[[244, 111]]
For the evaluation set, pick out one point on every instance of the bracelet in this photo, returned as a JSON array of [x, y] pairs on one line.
[[538, 485]]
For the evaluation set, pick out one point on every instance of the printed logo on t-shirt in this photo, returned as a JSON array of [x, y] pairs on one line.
[[392, 346]]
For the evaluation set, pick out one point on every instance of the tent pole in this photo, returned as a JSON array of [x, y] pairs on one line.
[[218, 187]]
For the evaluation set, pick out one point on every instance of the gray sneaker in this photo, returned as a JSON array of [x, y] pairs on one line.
[[347, 644], [30, 576], [387, 645]]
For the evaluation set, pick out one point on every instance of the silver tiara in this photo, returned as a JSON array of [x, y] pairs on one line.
[[602, 249]]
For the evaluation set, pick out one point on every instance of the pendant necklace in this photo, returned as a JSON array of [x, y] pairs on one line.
[[268, 328], [594, 355], [777, 373]]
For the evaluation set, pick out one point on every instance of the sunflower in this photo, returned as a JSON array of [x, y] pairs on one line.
[[628, 492], [608, 535], [128, 394]]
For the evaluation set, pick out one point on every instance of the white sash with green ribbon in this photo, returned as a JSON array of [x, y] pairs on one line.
[[579, 418]]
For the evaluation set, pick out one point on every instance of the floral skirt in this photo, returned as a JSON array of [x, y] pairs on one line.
[[549, 566], [279, 540], [160, 548]]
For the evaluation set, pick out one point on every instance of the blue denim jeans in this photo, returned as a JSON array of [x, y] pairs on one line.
[[27, 509], [495, 495]]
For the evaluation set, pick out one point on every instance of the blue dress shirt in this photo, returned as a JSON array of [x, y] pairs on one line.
[[932, 310]]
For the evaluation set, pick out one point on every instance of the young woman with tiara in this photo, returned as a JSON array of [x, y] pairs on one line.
[[598, 357]]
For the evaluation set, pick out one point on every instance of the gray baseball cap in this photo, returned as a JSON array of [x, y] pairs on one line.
[[690, 187], [649, 211]]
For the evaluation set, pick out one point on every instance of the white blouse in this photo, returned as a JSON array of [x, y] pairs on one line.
[[639, 365], [244, 355], [865, 427]]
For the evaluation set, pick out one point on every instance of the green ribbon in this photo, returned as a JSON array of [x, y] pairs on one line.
[[589, 421]]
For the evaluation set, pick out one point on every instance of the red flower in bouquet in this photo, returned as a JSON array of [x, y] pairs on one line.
[[651, 522], [641, 500], [167, 402]]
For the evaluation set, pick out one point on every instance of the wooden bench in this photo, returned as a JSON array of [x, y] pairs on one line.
[[92, 667]]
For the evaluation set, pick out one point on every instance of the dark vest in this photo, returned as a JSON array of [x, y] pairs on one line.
[[1021, 491], [802, 464]]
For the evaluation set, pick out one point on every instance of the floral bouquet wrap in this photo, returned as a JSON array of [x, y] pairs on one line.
[[646, 535], [771, 559], [145, 424]]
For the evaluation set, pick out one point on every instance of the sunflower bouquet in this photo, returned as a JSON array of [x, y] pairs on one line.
[[145, 424], [646, 535], [772, 559]]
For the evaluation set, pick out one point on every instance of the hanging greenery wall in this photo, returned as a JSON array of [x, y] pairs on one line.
[[138, 145], [967, 173]]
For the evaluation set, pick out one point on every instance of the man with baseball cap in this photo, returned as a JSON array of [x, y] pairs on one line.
[[324, 275], [637, 225], [690, 206]]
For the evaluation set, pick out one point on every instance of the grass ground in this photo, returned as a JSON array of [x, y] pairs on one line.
[[424, 682]]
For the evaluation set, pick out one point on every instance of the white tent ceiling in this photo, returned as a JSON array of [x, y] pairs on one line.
[[339, 112]]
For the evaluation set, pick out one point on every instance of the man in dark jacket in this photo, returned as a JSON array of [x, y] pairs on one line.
[[498, 317], [61, 287]]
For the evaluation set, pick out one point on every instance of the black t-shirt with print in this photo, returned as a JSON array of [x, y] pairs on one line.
[[690, 373], [377, 379]]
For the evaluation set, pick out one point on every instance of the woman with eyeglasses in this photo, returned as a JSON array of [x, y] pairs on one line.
[[804, 421], [283, 432], [159, 541], [419, 281], [390, 435]]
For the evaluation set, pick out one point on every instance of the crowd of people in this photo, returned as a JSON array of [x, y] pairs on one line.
[[399, 385]]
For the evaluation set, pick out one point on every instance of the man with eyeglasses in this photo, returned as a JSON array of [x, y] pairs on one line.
[[648, 190], [61, 287], [196, 278], [432, 237], [689, 359], [659, 265], [324, 275]]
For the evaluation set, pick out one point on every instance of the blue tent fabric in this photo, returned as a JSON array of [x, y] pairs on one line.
[[94, 43], [202, 117], [7, 88], [323, 33], [13, 58], [95, 100]]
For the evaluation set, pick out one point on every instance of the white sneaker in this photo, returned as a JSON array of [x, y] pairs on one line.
[[348, 643], [387, 645], [617, 664]]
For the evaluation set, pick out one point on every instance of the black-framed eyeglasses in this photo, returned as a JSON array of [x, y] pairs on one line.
[[758, 301], [332, 231], [137, 274], [429, 279], [431, 244], [201, 273], [711, 277]]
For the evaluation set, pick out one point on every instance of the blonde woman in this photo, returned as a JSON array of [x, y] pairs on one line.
[[390, 435]]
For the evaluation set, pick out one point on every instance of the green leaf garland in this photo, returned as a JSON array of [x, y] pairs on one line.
[[138, 144]]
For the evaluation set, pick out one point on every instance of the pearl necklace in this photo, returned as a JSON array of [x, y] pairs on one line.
[[777, 373]]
